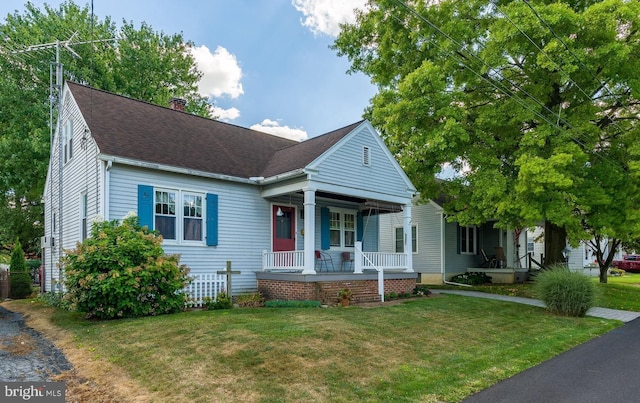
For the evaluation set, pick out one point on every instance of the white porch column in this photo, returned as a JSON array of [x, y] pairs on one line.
[[510, 248], [309, 230], [406, 209], [357, 258]]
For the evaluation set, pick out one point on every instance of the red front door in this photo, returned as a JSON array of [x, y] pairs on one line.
[[284, 228]]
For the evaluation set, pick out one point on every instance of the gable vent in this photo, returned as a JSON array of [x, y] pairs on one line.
[[366, 156]]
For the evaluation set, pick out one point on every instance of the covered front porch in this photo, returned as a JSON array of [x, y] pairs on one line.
[[331, 229]]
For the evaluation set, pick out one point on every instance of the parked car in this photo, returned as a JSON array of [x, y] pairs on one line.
[[629, 263]]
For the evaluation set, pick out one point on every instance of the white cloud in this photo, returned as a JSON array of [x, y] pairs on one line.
[[225, 115], [325, 16], [221, 72], [273, 127]]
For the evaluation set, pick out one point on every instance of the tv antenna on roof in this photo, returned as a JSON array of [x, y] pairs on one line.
[[55, 92]]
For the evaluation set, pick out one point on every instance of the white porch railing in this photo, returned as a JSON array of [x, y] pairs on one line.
[[384, 261], [283, 261], [294, 261], [205, 285]]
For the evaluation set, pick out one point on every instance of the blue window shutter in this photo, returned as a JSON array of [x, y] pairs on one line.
[[212, 219], [458, 229], [359, 227], [325, 225], [145, 206]]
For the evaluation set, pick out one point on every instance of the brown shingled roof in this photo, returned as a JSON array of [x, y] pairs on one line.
[[133, 129]]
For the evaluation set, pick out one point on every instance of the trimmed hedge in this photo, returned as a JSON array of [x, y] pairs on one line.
[[20, 285]]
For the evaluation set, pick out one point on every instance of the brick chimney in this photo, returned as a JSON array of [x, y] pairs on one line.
[[177, 104]]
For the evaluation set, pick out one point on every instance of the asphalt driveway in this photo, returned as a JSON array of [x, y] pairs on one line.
[[26, 356]]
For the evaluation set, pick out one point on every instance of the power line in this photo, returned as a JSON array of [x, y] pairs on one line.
[[506, 91], [584, 66], [492, 70]]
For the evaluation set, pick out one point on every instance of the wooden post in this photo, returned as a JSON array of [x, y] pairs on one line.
[[228, 272]]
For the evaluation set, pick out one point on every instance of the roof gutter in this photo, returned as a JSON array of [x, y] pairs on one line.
[[174, 169], [281, 177]]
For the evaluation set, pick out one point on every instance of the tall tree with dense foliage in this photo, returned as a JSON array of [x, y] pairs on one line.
[[534, 103], [136, 62]]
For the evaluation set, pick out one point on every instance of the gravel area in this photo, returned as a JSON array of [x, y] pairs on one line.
[[25, 355]]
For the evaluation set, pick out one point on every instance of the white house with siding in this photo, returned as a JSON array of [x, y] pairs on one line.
[[219, 192]]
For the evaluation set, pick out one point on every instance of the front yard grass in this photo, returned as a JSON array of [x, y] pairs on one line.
[[429, 350], [620, 292]]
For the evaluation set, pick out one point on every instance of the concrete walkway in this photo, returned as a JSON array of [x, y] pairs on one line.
[[605, 313]]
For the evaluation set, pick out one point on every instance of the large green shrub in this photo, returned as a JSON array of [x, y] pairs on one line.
[[565, 292], [19, 278], [122, 272], [20, 285]]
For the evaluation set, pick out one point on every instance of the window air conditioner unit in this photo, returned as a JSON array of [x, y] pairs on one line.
[[46, 242]]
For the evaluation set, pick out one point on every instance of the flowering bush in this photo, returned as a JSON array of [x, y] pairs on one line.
[[122, 272]]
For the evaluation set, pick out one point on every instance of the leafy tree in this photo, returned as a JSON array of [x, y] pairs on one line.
[[534, 103], [122, 272], [136, 62], [19, 278], [18, 262]]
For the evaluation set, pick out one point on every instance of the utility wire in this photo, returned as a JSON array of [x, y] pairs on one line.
[[567, 75], [506, 91], [492, 70], [584, 66]]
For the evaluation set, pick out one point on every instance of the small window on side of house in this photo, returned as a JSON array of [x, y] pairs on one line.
[[67, 141], [83, 215]]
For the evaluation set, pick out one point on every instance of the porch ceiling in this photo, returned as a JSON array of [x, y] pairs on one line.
[[373, 205]]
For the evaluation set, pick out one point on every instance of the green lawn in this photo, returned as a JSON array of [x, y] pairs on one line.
[[620, 292], [429, 350]]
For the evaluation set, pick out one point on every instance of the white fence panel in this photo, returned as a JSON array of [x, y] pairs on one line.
[[205, 285]]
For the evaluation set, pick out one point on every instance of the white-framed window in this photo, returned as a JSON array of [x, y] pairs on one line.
[[83, 215], [67, 140], [165, 213], [366, 156], [399, 239], [468, 240], [342, 228], [192, 216], [178, 215], [530, 246]]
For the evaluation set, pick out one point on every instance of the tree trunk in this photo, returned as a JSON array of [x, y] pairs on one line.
[[555, 240], [605, 261]]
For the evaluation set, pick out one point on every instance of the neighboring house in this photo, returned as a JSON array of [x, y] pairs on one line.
[[443, 249], [581, 258], [219, 192]]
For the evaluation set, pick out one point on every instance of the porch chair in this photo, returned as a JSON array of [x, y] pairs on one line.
[[324, 259], [488, 261], [347, 259], [501, 258]]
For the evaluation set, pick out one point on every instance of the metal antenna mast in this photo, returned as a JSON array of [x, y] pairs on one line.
[[55, 93]]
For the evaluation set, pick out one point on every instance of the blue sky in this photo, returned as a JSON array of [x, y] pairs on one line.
[[267, 63]]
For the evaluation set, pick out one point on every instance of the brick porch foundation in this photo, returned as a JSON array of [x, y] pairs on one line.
[[325, 287]]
